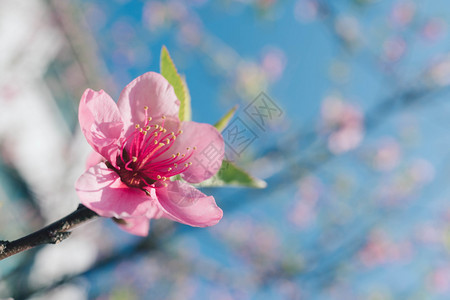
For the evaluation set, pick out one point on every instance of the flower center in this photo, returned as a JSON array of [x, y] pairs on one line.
[[147, 156]]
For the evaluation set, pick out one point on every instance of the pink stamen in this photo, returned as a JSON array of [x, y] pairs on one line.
[[137, 166], [128, 164]]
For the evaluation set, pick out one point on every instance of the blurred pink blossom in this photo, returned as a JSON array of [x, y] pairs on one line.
[[403, 13], [160, 14], [387, 155], [394, 48], [304, 211], [421, 171], [348, 28], [406, 184], [434, 29], [273, 63], [190, 33], [380, 249], [439, 72], [345, 122], [306, 10], [440, 280], [430, 233]]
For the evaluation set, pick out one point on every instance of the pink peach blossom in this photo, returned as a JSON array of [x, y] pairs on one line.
[[140, 144]]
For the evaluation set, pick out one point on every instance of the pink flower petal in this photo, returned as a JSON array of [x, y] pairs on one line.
[[93, 159], [101, 123], [141, 225], [138, 226], [185, 204], [208, 155], [101, 190], [151, 90]]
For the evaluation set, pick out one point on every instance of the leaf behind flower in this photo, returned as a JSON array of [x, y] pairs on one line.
[[169, 71], [231, 175]]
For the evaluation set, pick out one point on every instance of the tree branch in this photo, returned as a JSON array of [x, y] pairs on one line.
[[51, 234]]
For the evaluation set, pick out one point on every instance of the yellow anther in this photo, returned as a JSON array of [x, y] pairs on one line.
[[175, 165], [169, 169], [155, 134], [141, 130], [188, 148], [165, 184], [189, 163], [165, 130], [183, 155], [149, 118], [145, 132], [164, 178], [172, 133], [161, 144], [163, 117], [134, 158], [186, 164], [167, 141], [158, 177], [180, 132], [147, 127], [195, 148], [137, 126], [156, 126], [145, 107], [156, 142], [161, 129], [178, 153], [173, 156]]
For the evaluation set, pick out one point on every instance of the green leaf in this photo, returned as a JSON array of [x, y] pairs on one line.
[[222, 123], [169, 71], [231, 175], [185, 113]]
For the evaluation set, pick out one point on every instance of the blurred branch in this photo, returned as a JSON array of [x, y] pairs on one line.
[[69, 19], [52, 234], [153, 242], [19, 191]]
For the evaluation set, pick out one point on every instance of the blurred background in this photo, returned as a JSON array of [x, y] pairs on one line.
[[343, 109]]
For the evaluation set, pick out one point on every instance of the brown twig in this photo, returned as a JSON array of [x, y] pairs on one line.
[[51, 234]]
